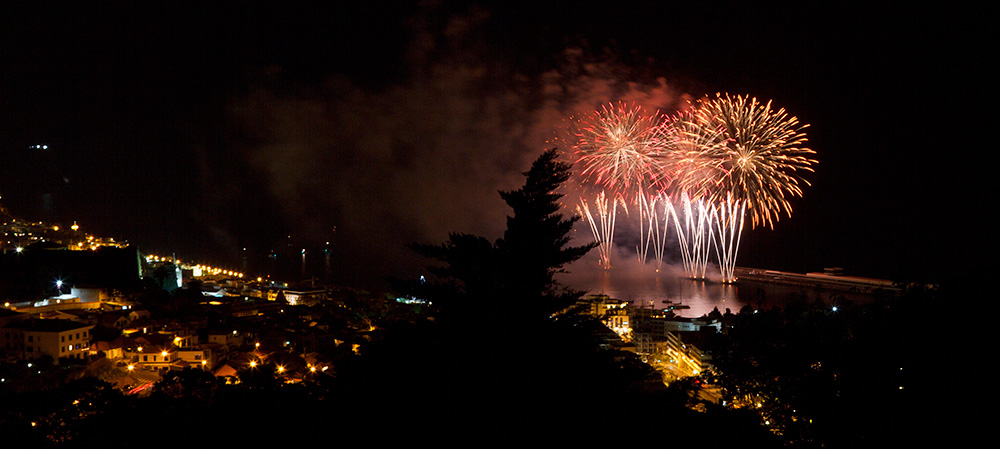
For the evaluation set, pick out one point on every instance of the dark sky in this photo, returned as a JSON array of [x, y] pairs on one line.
[[208, 128]]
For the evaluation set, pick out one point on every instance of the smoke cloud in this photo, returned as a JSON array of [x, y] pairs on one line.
[[373, 168]]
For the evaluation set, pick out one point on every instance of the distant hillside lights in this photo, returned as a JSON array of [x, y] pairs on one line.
[[19, 234]]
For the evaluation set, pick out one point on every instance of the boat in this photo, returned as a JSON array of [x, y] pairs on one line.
[[674, 306]]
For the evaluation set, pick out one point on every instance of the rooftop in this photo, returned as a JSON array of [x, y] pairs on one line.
[[49, 325]]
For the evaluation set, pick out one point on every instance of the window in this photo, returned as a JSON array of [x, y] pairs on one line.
[[31, 339], [62, 338], [145, 358]]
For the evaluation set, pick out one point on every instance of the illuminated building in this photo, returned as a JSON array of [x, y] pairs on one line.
[[612, 312], [304, 297], [152, 358], [57, 338], [198, 357], [660, 337]]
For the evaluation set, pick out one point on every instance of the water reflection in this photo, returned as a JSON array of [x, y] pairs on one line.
[[659, 291]]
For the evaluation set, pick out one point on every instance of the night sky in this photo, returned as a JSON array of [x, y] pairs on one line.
[[206, 129]]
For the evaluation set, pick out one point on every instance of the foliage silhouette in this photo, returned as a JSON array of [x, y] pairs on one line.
[[514, 276]]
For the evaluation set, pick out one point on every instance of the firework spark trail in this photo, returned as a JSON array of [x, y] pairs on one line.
[[647, 214], [603, 226], [584, 211], [660, 233], [694, 236], [656, 213], [729, 215], [682, 241], [689, 176]]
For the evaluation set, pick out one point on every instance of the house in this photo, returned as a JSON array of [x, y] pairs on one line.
[[155, 359], [113, 320], [198, 357], [304, 297], [108, 348], [57, 338], [58, 314]]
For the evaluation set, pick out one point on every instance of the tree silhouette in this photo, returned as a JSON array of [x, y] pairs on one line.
[[519, 268], [535, 245]]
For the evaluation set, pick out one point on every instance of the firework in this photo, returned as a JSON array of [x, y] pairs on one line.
[[689, 168], [704, 168], [688, 177], [762, 159], [756, 169], [620, 149]]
